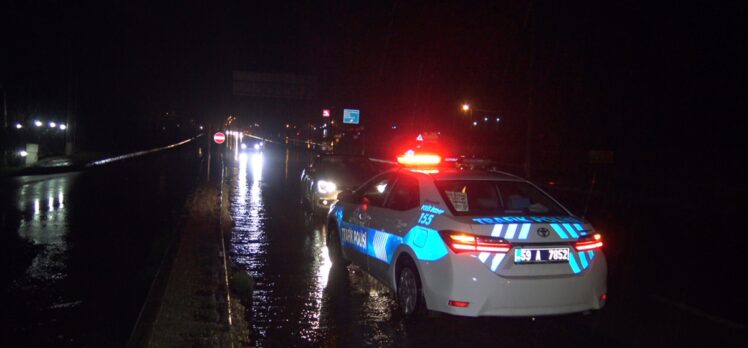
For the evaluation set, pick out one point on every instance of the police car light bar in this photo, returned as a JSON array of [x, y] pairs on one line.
[[589, 243], [461, 242], [410, 158]]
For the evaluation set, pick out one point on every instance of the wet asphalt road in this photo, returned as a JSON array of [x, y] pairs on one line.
[[300, 299], [80, 251]]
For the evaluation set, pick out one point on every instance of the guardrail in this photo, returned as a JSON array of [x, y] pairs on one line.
[[139, 153]]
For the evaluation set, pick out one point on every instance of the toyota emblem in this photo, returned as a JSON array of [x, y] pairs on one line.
[[543, 232]]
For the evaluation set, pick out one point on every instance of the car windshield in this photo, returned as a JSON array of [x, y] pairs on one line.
[[496, 198]]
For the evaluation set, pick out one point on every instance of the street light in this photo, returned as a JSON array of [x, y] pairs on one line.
[[23, 153], [19, 126], [465, 107], [52, 125], [63, 127], [38, 123]]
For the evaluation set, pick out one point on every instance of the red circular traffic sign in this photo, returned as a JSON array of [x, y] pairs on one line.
[[219, 138]]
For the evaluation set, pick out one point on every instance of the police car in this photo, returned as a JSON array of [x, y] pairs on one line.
[[468, 243]]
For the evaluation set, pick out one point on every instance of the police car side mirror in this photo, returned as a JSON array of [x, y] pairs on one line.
[[345, 196]]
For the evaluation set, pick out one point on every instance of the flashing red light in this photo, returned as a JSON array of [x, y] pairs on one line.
[[467, 243], [461, 304], [589, 243], [604, 297], [410, 158]]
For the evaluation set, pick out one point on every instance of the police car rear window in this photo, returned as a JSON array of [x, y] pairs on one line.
[[496, 198]]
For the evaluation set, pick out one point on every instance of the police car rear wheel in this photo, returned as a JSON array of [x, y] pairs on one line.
[[409, 290]]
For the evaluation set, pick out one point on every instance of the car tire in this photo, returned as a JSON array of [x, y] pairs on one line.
[[409, 291], [333, 246]]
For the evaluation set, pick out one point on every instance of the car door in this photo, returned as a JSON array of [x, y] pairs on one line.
[[356, 232], [392, 222]]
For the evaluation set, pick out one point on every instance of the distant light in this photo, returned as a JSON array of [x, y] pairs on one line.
[[201, 127], [465, 107], [52, 125], [257, 146], [244, 146], [23, 153], [475, 123], [63, 126], [498, 119], [38, 123], [325, 112], [394, 126], [288, 125], [19, 126], [485, 119]]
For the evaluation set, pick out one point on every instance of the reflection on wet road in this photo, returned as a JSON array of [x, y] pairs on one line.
[[79, 250], [299, 298], [44, 224]]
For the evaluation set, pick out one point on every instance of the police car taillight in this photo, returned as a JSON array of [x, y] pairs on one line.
[[590, 242], [460, 242]]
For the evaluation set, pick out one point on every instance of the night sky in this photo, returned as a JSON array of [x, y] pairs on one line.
[[660, 84]]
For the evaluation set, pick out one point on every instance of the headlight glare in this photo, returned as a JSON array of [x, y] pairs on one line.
[[324, 186]]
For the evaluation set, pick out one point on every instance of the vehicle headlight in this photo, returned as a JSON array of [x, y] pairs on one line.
[[324, 186]]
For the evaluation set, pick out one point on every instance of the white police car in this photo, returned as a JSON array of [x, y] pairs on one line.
[[468, 243]]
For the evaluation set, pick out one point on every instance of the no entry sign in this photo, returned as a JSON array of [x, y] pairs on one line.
[[219, 138]]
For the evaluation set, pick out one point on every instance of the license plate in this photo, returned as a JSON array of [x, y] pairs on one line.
[[541, 255]]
